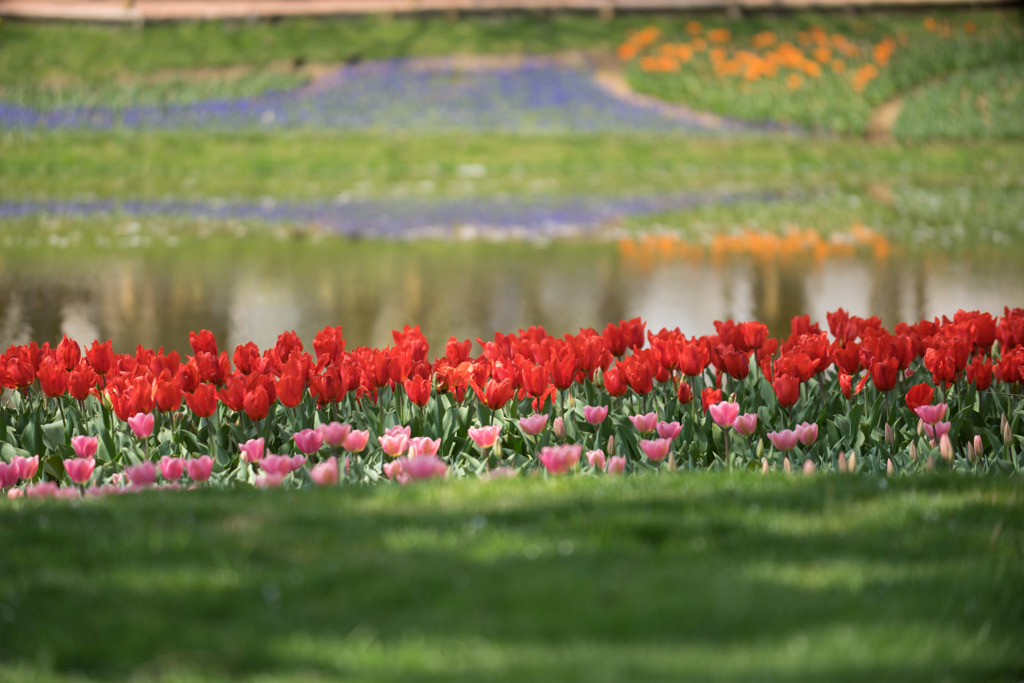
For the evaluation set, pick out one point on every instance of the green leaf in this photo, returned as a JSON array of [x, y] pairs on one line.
[[53, 435]]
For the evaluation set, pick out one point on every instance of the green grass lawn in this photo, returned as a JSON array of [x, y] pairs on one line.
[[705, 577]]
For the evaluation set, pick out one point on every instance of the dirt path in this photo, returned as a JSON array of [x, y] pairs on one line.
[[883, 119]]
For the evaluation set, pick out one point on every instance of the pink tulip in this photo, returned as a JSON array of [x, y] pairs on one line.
[[787, 467], [335, 433], [199, 469], [423, 445], [8, 475], [809, 467], [47, 489], [616, 464], [252, 449], [394, 444], [560, 459], [745, 424], [67, 492], [534, 424], [669, 430], [15, 493], [398, 430], [325, 473], [946, 447], [785, 440], [655, 449], [296, 462], [644, 423], [558, 428], [596, 459], [979, 449], [268, 480], [276, 465], [764, 465], [79, 469], [27, 467], [142, 425], [485, 437], [937, 430], [424, 467], [393, 470], [807, 433], [355, 442], [308, 440], [141, 475], [724, 413], [171, 469], [85, 446], [502, 472], [931, 414], [595, 414]]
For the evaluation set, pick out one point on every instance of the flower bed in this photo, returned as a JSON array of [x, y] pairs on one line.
[[935, 394]]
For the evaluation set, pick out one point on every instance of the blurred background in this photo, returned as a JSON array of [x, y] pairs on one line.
[[471, 167]]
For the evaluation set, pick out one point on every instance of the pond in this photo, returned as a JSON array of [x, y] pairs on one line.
[[138, 285]]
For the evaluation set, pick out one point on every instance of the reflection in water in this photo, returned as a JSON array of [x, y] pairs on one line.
[[253, 289]]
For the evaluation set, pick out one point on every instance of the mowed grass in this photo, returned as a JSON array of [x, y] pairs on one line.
[[709, 577], [323, 164]]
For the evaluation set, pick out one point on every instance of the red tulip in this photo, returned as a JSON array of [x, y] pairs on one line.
[[495, 394], [709, 396], [100, 356], [203, 401], [256, 403], [919, 395], [787, 389], [68, 353], [418, 390], [684, 393], [53, 378], [613, 381], [884, 374], [167, 392], [329, 343]]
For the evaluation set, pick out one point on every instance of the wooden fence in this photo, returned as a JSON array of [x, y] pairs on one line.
[[164, 10]]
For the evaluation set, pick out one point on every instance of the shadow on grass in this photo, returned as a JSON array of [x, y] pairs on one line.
[[703, 577]]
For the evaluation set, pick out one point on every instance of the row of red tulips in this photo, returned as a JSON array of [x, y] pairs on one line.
[[817, 398]]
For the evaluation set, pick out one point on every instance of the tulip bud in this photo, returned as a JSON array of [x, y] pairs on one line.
[[920, 427], [611, 445], [842, 462], [930, 465], [890, 438], [913, 452], [851, 462], [971, 457], [672, 460], [760, 449], [946, 447], [890, 469], [786, 467], [979, 447], [764, 465], [559, 428], [809, 467], [1007, 434]]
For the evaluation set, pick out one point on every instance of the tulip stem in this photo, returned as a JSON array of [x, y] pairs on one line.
[[728, 460]]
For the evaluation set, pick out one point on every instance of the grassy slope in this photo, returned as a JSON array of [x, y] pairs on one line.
[[830, 101], [709, 577], [312, 164]]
